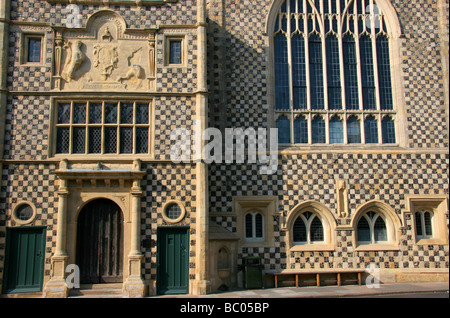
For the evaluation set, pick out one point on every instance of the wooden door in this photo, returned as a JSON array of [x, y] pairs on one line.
[[173, 261], [100, 243], [24, 263]]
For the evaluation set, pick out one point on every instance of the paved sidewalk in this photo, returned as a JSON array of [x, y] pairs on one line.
[[326, 291]]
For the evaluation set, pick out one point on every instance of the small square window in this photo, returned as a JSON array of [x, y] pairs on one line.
[[174, 51], [34, 50]]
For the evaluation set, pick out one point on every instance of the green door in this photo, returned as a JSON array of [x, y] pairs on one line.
[[173, 261], [24, 262]]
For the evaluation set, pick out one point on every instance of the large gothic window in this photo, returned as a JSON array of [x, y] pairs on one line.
[[332, 73]]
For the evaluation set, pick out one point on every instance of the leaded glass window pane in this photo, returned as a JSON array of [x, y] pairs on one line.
[[333, 73], [62, 140], [388, 130], [24, 212], [380, 230], [142, 113], [419, 227], [79, 140], [336, 131], [79, 113], [428, 226], [316, 230], [384, 73], [34, 50], [299, 231], [142, 140], [95, 140], [371, 130], [173, 211], [126, 140], [299, 72], [64, 113], [350, 71], [281, 73], [110, 113], [95, 113], [284, 131], [126, 113], [300, 130], [367, 72], [258, 225], [110, 140], [316, 72], [318, 130], [364, 231], [353, 130], [248, 226], [175, 51]]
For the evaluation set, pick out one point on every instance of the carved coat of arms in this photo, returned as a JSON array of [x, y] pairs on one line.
[[106, 56]]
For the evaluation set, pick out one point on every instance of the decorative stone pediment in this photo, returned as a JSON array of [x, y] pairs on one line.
[[104, 56]]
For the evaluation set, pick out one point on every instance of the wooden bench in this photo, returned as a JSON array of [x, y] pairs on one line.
[[317, 274]]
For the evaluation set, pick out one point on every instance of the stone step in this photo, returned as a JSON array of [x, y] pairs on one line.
[[97, 291]]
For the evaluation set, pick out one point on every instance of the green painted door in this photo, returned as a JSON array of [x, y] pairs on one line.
[[173, 261], [24, 262]]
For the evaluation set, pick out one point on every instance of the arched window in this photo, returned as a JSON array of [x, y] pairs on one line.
[[424, 224], [307, 229], [254, 226], [330, 57], [372, 229]]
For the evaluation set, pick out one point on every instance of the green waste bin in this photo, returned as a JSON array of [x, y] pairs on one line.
[[253, 273]]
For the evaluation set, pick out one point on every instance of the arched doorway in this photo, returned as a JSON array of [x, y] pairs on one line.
[[100, 242]]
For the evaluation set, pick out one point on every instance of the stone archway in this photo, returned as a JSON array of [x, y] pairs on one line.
[[100, 234]]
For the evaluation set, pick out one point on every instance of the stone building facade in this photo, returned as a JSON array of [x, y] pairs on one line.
[[91, 91]]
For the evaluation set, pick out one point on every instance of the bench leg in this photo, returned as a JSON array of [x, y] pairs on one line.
[[296, 280], [339, 279], [318, 280], [359, 278], [276, 281]]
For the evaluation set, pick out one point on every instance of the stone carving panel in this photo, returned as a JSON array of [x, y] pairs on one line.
[[104, 56]]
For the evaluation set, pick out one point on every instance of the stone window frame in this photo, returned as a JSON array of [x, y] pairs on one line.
[[168, 39], [392, 221], [266, 205], [393, 29], [15, 209], [438, 205], [91, 99], [164, 210], [253, 213], [24, 48], [328, 224]]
